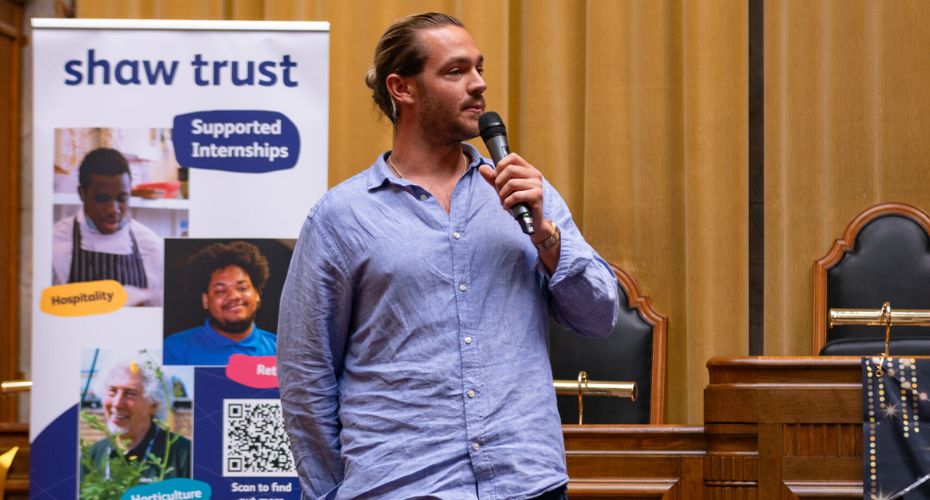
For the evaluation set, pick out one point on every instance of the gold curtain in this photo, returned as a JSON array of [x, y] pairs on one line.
[[846, 110], [636, 111]]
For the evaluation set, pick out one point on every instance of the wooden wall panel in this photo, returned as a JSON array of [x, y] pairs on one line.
[[11, 45]]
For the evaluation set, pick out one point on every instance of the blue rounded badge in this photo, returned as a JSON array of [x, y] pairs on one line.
[[250, 141]]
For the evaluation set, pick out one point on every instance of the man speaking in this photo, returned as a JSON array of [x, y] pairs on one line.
[[413, 327]]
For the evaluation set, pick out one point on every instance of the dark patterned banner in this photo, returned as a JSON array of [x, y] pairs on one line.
[[896, 432]]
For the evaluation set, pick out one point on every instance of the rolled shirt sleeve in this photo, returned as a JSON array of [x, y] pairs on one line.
[[583, 287]]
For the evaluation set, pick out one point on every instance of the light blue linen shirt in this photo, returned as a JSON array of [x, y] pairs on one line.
[[412, 343]]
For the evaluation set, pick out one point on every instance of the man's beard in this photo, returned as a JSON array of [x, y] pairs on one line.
[[116, 430], [445, 126], [233, 327]]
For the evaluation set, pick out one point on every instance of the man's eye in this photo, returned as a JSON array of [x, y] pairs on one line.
[[480, 70], [455, 71], [105, 198]]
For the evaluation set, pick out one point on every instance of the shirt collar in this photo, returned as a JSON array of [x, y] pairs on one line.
[[381, 173]]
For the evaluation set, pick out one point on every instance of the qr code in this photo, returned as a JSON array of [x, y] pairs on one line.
[[254, 440]]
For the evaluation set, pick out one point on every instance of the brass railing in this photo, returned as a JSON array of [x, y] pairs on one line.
[[584, 387], [880, 317], [9, 386]]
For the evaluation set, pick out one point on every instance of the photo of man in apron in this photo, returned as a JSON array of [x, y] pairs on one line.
[[102, 241]]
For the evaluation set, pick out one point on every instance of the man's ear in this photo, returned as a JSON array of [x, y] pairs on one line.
[[204, 300], [401, 88], [81, 193]]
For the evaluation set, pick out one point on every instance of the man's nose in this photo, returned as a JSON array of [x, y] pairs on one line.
[[118, 399], [477, 85], [113, 206]]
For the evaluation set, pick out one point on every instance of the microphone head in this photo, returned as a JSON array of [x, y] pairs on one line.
[[490, 125]]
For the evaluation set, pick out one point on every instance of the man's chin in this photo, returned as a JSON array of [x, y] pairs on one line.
[[232, 327], [470, 127], [107, 228], [117, 430], [466, 131]]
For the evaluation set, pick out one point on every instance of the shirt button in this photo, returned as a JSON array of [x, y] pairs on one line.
[[475, 446], [468, 340], [463, 287], [456, 235], [471, 393], [423, 197]]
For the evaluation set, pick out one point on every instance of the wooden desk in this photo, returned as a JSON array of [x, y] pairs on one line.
[[634, 461], [775, 428], [780, 427]]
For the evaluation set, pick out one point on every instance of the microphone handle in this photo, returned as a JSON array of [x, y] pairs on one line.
[[497, 146]]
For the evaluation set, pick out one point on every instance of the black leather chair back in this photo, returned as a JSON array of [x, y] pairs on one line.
[[889, 261], [627, 355]]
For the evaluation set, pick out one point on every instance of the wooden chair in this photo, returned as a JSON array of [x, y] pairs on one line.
[[884, 255], [634, 352]]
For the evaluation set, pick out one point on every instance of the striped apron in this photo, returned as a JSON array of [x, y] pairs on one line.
[[128, 269]]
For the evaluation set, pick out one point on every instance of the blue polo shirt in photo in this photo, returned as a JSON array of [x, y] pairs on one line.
[[203, 345]]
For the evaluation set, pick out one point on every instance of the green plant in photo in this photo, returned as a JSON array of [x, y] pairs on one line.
[[107, 480]]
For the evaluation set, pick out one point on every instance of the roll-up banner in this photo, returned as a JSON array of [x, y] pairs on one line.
[[174, 164]]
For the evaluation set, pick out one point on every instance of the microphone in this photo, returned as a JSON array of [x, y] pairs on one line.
[[494, 135]]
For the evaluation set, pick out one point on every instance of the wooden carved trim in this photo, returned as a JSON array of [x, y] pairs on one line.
[[611, 488], [731, 484], [659, 323], [822, 440], [731, 469], [841, 247], [824, 489]]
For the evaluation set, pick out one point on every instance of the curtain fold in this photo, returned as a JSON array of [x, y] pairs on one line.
[[636, 111], [716, 190]]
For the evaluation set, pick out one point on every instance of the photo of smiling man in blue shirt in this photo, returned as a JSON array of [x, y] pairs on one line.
[[230, 278]]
